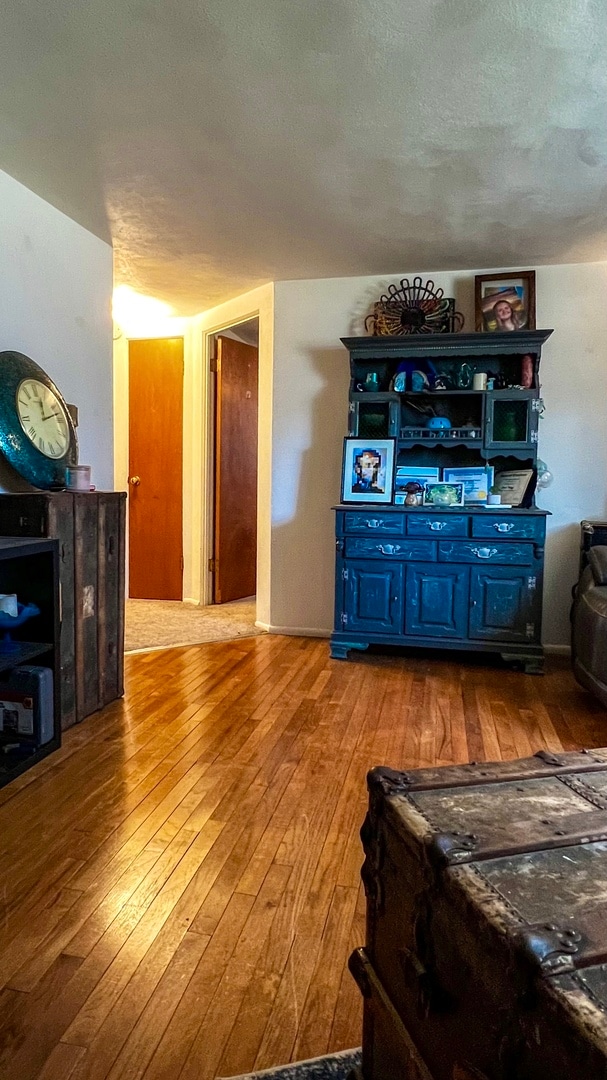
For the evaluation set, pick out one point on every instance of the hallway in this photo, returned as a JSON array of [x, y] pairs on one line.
[[160, 624]]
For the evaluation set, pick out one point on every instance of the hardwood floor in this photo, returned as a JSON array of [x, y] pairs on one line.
[[180, 882]]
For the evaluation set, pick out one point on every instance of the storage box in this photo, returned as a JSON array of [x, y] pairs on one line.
[[486, 942], [26, 705]]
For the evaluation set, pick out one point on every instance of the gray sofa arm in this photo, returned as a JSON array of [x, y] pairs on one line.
[[597, 557]]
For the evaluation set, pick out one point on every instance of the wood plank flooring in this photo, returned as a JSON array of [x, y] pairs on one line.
[[180, 882]]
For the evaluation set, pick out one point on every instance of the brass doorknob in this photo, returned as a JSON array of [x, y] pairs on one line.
[[135, 480]]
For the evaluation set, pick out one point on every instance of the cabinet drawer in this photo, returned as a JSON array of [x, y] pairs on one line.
[[499, 527], [471, 552], [389, 524], [434, 525], [378, 548]]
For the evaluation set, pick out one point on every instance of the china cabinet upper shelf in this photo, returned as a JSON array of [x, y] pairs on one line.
[[517, 342]]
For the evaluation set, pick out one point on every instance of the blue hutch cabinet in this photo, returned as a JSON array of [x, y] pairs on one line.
[[455, 577]]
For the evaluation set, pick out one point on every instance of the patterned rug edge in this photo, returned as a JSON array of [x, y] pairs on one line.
[[332, 1067]]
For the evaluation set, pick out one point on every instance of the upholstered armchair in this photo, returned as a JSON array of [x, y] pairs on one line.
[[589, 625]]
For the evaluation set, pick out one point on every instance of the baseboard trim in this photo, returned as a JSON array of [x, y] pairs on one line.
[[292, 631], [307, 631]]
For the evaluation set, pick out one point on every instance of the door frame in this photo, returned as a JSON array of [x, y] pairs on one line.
[[197, 528], [208, 453]]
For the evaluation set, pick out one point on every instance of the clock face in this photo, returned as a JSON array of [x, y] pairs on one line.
[[37, 434], [43, 418]]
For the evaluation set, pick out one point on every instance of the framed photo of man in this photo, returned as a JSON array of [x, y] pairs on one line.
[[368, 470], [505, 301]]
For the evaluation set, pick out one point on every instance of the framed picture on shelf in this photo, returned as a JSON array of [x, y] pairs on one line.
[[407, 474], [505, 301], [368, 470], [512, 485], [477, 482], [444, 494]]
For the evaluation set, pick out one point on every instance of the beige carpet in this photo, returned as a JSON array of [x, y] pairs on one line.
[[160, 624]]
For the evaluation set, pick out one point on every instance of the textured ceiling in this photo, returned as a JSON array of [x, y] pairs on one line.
[[229, 142]]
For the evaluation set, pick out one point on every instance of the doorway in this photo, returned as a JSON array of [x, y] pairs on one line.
[[234, 361], [156, 469]]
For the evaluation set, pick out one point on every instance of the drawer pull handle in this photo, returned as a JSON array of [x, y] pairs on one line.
[[374, 523], [436, 526], [388, 549], [484, 552], [503, 526]]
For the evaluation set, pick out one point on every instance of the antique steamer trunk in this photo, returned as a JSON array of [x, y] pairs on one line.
[[486, 950]]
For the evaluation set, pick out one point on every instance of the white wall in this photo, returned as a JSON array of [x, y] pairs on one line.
[[310, 419], [55, 306]]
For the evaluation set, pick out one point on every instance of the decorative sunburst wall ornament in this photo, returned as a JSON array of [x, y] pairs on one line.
[[415, 308]]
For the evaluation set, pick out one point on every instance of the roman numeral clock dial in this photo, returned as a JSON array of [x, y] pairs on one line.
[[43, 418], [37, 433]]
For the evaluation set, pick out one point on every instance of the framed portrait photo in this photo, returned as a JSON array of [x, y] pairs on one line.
[[368, 470], [505, 301]]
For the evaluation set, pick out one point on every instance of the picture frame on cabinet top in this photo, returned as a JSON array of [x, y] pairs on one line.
[[512, 485], [443, 495], [368, 470], [505, 302], [477, 482]]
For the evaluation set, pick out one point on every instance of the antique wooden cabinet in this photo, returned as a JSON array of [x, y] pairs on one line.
[[465, 577], [90, 528], [450, 578], [486, 941]]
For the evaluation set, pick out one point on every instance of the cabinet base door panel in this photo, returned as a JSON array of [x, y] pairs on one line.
[[374, 598], [502, 604], [437, 601]]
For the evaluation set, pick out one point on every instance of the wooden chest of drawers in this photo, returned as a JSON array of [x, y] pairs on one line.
[[464, 579], [486, 932]]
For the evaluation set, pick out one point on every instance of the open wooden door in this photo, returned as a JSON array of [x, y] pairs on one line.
[[155, 469], [235, 547]]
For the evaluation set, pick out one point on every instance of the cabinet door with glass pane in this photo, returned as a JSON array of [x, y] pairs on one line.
[[511, 420]]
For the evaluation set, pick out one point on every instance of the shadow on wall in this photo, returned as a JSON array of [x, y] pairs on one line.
[[302, 549], [10, 480], [563, 556]]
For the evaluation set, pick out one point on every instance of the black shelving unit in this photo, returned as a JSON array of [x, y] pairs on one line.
[[30, 568]]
